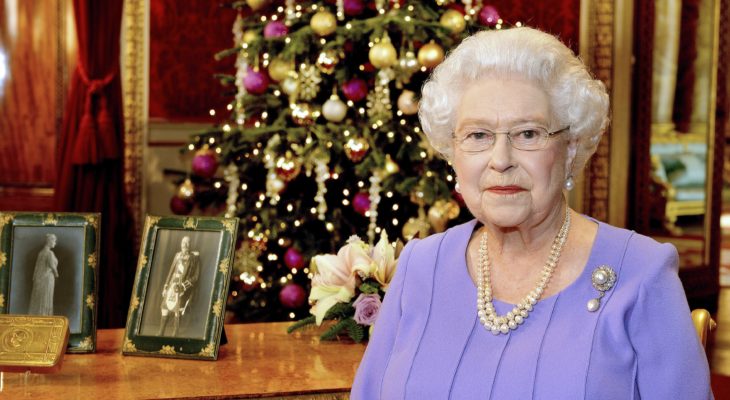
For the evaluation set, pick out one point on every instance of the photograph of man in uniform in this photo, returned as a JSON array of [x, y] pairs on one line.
[[180, 287]]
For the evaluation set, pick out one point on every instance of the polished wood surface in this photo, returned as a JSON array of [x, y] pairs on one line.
[[259, 360]]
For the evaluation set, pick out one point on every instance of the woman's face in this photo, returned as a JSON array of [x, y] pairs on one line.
[[502, 185], [51, 241]]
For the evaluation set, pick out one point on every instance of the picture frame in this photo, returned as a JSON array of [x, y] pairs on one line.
[[48, 266], [181, 287]]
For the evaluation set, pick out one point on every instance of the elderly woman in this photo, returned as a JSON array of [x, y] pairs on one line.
[[531, 299]]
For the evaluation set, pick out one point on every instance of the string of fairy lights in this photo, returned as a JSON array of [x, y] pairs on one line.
[[323, 138]]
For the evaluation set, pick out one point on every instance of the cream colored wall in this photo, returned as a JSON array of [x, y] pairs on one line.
[[162, 151]]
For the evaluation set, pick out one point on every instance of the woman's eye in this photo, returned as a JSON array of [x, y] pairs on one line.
[[527, 134], [478, 136]]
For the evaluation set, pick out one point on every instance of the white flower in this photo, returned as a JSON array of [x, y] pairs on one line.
[[334, 282], [384, 261]]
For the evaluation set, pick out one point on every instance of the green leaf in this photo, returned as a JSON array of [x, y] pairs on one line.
[[301, 323], [370, 287]]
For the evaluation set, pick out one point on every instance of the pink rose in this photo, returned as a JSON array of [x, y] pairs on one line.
[[366, 308]]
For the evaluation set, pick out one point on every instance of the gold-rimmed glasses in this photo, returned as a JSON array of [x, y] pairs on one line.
[[527, 138]]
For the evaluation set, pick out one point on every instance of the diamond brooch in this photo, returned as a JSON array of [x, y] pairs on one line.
[[603, 279]]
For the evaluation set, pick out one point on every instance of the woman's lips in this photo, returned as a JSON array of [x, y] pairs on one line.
[[505, 190]]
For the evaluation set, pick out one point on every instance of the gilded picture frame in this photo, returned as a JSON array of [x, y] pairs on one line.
[[49, 266], [181, 287]]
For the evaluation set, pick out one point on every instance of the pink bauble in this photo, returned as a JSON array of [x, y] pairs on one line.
[[256, 82], [293, 258], [181, 206], [292, 296], [275, 29], [353, 7], [205, 164], [355, 89], [361, 203], [488, 15]]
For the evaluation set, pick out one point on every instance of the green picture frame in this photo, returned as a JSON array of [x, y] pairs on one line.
[[27, 270], [181, 287]]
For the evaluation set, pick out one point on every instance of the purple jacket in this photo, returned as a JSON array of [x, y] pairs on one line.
[[641, 344]]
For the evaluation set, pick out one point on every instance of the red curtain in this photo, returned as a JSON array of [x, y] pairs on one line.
[[91, 171]]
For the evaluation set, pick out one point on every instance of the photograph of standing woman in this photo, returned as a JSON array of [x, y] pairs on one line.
[[44, 279]]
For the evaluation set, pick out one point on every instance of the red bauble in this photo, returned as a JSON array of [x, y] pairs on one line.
[[355, 89], [275, 29], [293, 258], [256, 82], [181, 206], [292, 296], [488, 15], [353, 7], [361, 203], [205, 164]]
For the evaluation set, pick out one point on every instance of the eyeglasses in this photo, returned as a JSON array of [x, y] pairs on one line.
[[527, 138]]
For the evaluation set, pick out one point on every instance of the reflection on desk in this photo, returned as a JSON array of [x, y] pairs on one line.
[[259, 360]]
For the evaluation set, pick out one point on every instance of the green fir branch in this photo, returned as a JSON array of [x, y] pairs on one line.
[[310, 320]]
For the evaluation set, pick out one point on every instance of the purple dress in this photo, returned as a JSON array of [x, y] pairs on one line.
[[641, 344]]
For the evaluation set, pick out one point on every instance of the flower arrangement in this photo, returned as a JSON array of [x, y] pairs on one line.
[[348, 287]]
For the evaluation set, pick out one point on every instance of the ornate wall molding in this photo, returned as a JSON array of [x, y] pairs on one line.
[[599, 54], [134, 92]]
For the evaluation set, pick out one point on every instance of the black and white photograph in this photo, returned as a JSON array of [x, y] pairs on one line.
[[53, 261], [46, 275], [181, 283], [181, 287]]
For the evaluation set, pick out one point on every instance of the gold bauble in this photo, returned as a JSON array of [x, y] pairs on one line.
[[390, 167], [290, 86], [407, 103], [327, 61], [250, 36], [415, 227], [453, 21], [279, 69], [437, 217], [186, 190], [323, 23], [430, 55], [257, 4], [303, 114], [383, 54], [356, 149], [452, 209]]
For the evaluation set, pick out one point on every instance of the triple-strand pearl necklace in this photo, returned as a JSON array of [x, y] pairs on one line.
[[485, 308]]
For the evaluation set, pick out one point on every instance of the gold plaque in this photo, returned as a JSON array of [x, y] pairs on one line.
[[32, 343]]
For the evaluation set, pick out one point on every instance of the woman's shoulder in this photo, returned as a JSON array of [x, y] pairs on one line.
[[641, 255], [425, 250]]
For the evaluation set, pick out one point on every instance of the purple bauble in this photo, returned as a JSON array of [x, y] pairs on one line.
[[355, 89], [205, 164], [256, 82], [275, 29], [361, 203], [292, 296], [181, 206], [353, 7], [488, 15], [293, 258]]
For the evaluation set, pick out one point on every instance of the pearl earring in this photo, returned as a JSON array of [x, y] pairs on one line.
[[457, 188], [569, 183]]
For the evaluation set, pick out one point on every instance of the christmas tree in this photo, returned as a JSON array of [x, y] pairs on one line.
[[324, 141]]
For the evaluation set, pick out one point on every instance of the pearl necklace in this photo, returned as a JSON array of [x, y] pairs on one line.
[[485, 308]]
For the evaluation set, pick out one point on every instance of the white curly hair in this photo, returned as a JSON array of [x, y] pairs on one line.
[[577, 100]]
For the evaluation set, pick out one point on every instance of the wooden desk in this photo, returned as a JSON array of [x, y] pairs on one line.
[[260, 360]]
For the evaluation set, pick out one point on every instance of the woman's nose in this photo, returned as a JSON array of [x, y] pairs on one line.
[[501, 154]]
